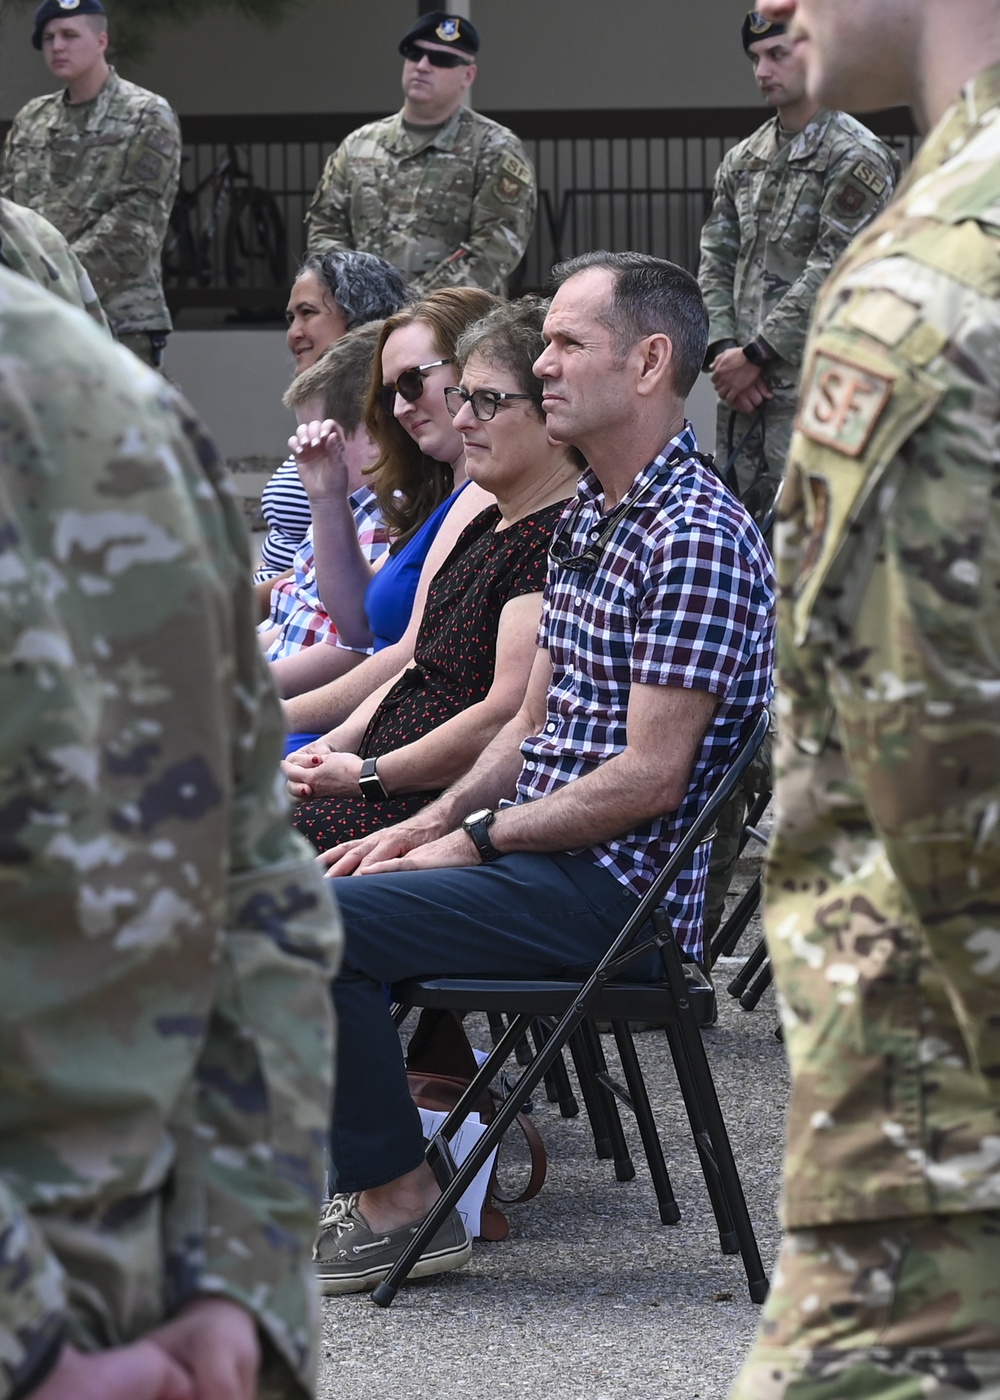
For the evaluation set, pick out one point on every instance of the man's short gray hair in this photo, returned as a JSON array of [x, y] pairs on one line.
[[650, 297], [365, 287]]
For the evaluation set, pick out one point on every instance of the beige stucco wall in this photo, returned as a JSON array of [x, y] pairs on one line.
[[339, 55]]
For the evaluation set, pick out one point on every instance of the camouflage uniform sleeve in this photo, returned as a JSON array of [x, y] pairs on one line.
[[116, 248], [720, 247], [251, 1133], [32, 1302], [328, 221], [898, 582], [6, 171], [503, 215], [858, 186], [36, 249]]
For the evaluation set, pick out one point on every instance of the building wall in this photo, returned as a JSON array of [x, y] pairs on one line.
[[235, 380], [339, 55]]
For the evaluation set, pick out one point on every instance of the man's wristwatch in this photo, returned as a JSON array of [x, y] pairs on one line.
[[370, 783], [756, 353], [477, 825]]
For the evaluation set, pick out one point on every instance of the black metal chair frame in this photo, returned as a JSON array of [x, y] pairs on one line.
[[566, 1006]]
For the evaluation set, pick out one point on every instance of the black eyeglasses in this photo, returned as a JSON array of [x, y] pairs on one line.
[[436, 57], [409, 385], [485, 402]]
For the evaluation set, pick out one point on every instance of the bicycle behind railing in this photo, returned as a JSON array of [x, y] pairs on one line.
[[226, 231]]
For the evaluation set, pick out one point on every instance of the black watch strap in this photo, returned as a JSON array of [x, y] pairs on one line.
[[758, 352], [477, 827], [370, 783]]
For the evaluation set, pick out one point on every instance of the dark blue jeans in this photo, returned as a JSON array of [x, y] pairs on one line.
[[526, 915]]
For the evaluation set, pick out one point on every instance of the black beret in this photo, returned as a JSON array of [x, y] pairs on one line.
[[62, 9], [756, 27], [441, 28]]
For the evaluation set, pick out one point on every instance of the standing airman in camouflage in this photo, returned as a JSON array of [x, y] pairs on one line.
[[788, 201], [167, 944], [444, 194], [883, 891], [37, 250], [101, 161]]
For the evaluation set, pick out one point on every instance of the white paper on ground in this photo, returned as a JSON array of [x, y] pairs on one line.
[[470, 1206]]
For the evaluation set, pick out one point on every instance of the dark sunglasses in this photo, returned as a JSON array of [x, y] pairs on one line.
[[437, 58], [485, 402], [589, 558], [409, 385]]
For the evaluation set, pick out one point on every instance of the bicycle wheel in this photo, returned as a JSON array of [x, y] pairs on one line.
[[256, 253]]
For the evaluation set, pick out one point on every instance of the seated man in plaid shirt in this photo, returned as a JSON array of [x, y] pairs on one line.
[[334, 387], [655, 647]]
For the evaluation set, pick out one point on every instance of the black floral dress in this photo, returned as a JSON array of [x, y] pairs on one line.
[[453, 661]]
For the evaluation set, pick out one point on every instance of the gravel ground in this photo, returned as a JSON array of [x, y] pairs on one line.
[[590, 1297]]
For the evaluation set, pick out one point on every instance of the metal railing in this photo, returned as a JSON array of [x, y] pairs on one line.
[[619, 179]]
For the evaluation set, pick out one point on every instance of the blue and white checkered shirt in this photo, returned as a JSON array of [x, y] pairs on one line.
[[683, 595], [296, 607]]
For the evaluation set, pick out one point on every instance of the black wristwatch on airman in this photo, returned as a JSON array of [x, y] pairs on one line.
[[758, 352], [370, 783], [477, 826]]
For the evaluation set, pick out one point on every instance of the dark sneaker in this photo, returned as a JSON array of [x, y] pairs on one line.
[[349, 1257]]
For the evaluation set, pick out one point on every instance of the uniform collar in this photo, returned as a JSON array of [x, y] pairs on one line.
[[98, 105], [404, 142], [805, 143], [971, 109]]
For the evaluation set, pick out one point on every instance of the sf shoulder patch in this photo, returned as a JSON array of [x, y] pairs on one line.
[[869, 177], [842, 404], [513, 180]]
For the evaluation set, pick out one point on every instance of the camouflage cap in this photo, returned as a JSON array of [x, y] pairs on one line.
[[441, 28], [756, 27], [62, 9]]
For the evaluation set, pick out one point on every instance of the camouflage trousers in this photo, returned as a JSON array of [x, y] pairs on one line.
[[760, 463], [728, 835], [886, 1310]]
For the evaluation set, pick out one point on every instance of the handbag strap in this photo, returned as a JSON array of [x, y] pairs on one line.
[[539, 1164], [442, 1091]]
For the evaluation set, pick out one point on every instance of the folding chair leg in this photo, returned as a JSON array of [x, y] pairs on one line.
[[728, 1240], [557, 1086], [590, 1064], [757, 987], [670, 1211], [749, 970], [735, 925], [716, 1149]]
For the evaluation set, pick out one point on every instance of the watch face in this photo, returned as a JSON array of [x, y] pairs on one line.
[[482, 815]]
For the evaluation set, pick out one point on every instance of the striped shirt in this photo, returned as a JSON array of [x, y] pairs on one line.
[[296, 607], [285, 507], [682, 595]]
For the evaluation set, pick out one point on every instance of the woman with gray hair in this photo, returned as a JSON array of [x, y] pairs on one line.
[[332, 294]]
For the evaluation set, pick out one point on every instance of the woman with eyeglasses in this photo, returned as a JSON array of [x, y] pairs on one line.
[[476, 641], [418, 478]]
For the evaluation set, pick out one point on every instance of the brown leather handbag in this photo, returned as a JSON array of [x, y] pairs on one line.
[[439, 1044]]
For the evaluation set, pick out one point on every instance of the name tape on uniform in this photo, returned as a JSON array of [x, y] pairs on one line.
[[843, 404]]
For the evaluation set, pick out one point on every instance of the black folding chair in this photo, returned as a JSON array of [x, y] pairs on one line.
[[677, 1002]]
